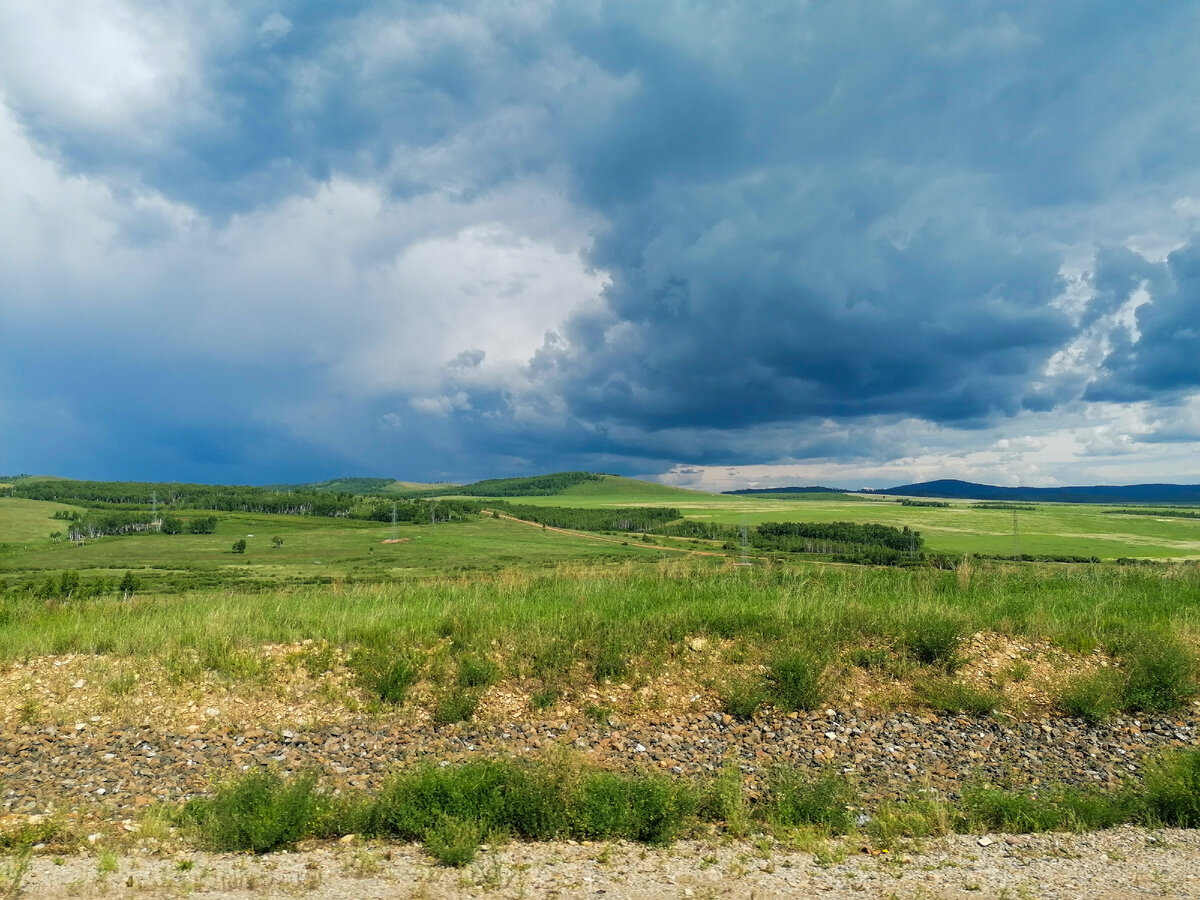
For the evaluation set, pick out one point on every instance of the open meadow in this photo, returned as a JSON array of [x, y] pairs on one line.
[[612, 677]]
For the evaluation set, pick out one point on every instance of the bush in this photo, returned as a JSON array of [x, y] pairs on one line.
[[1095, 697], [934, 639], [477, 671], [239, 546], [456, 705], [1054, 809], [956, 697], [453, 841], [795, 798], [646, 808], [258, 812], [1160, 675], [742, 697], [388, 678], [797, 679], [1172, 790]]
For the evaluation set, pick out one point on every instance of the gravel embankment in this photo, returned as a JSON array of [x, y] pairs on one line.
[[110, 772]]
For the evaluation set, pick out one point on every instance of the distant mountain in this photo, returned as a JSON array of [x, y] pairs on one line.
[[952, 489], [812, 489]]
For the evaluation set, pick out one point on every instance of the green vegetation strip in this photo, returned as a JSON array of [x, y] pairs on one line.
[[453, 809]]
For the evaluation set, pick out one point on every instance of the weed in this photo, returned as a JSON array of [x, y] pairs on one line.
[[1160, 675], [107, 863], [259, 812], [797, 679], [12, 874], [1172, 790], [544, 698], [453, 841], [387, 677], [742, 697], [477, 671], [456, 705], [953, 696], [1094, 697], [1060, 808], [723, 800], [795, 798], [935, 638]]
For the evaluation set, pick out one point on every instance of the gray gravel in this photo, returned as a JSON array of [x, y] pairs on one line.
[[1124, 862], [111, 772]]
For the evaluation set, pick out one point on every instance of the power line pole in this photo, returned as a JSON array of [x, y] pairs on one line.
[[1016, 535]]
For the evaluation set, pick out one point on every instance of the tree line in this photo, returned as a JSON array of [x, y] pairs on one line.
[[634, 518], [532, 486]]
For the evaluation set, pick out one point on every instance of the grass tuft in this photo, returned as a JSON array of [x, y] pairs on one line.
[[952, 696], [1095, 697], [259, 812], [797, 679], [795, 798], [935, 638]]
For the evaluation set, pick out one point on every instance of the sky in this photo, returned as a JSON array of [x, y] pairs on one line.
[[714, 244]]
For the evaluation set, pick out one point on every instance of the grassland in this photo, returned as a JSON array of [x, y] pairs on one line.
[[425, 624], [1049, 528]]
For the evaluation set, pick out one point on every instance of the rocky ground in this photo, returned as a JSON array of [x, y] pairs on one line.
[[1121, 863], [91, 742]]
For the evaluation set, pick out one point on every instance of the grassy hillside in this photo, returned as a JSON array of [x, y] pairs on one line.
[[29, 520], [615, 490]]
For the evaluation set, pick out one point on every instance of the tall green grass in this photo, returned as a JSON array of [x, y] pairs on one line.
[[451, 809], [608, 620]]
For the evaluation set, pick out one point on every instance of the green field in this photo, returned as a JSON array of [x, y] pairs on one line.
[[318, 550], [1049, 528]]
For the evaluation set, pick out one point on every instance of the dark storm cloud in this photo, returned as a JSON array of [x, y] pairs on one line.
[[1164, 359], [813, 222]]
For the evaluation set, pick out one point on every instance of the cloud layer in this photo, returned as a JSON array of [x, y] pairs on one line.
[[264, 241]]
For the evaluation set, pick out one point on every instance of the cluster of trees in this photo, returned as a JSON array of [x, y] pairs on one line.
[[417, 511], [533, 486], [197, 525], [785, 535], [101, 523], [221, 498], [637, 518], [998, 505], [69, 585], [908, 501], [1039, 557], [1168, 511]]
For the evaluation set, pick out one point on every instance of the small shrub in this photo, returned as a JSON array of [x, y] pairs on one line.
[[934, 639], [453, 841], [797, 679], [456, 705], [795, 798], [259, 812], [921, 815], [723, 800], [609, 659], [1095, 697], [644, 808], [951, 696], [878, 658], [387, 677], [477, 671], [1172, 790], [1054, 809], [544, 699], [743, 696], [1160, 675]]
